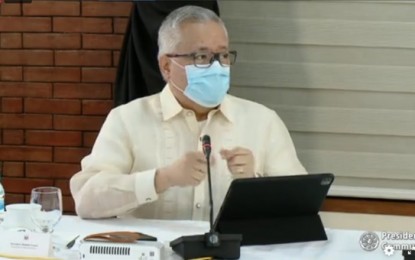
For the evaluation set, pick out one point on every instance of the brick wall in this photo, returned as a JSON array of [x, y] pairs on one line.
[[57, 66]]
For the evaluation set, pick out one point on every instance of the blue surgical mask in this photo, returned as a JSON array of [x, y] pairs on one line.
[[206, 87]]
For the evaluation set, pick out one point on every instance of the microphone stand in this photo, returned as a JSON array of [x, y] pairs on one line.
[[207, 154], [212, 237], [211, 244]]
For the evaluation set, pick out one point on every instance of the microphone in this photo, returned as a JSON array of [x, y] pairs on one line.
[[207, 148], [211, 244]]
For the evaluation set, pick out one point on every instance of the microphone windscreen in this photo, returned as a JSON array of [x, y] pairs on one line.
[[206, 144], [206, 139]]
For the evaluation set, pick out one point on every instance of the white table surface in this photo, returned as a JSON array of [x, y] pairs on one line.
[[343, 231]]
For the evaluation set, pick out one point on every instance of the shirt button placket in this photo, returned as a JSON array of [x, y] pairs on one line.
[[191, 121]]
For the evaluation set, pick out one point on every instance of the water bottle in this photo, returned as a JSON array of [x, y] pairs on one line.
[[1, 197]]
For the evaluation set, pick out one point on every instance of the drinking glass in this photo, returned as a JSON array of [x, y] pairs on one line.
[[50, 200]]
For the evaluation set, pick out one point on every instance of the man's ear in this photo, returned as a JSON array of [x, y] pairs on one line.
[[164, 65]]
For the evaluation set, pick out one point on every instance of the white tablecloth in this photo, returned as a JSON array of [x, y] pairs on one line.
[[341, 244]]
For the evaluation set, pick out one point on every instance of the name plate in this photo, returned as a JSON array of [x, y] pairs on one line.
[[25, 243]]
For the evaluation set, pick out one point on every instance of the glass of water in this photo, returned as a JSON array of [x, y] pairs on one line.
[[50, 200]]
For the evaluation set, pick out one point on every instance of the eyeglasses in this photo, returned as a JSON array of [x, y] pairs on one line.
[[205, 59]]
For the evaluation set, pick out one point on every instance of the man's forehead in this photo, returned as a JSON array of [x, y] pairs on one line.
[[190, 29], [201, 46], [206, 49], [204, 36]]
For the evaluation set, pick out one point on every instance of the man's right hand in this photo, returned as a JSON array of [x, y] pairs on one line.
[[189, 170]]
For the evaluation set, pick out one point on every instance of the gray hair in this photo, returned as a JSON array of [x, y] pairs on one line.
[[169, 33]]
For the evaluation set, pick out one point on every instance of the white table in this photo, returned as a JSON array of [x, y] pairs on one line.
[[343, 231]]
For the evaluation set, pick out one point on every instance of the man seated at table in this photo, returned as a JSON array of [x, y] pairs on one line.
[[147, 160]]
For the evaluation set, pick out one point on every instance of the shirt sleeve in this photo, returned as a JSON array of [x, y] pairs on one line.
[[281, 157], [105, 186]]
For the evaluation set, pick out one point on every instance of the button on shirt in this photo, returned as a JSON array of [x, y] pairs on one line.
[[117, 178]]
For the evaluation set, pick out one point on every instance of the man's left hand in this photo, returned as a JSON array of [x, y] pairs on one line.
[[241, 162]]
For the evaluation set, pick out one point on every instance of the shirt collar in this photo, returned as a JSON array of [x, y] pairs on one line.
[[226, 109], [170, 107]]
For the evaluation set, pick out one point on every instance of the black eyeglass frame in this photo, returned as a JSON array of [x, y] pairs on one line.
[[216, 56]]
